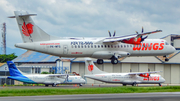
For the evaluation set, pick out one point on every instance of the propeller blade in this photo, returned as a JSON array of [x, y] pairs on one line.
[[142, 29], [109, 33], [114, 34], [142, 39], [136, 32]]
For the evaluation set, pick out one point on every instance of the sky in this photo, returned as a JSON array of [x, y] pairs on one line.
[[93, 18]]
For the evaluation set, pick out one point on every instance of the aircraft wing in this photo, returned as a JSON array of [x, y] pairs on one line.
[[57, 75], [134, 73], [128, 38]]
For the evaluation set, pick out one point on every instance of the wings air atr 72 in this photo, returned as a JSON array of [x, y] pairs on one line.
[[47, 79], [123, 78], [111, 48]]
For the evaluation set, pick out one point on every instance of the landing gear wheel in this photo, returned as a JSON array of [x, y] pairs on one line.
[[80, 84], [114, 61], [166, 59], [54, 85], [100, 61], [134, 84], [124, 84], [46, 85]]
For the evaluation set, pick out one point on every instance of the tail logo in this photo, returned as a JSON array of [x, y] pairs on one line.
[[90, 67], [27, 29]]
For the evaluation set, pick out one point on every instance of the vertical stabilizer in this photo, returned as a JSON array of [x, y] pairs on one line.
[[29, 31], [91, 68], [13, 69]]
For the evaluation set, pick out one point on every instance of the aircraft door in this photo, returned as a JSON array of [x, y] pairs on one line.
[[109, 78], [65, 49]]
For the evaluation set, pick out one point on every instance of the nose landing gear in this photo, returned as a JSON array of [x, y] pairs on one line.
[[166, 59]]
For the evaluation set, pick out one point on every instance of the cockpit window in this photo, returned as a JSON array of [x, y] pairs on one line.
[[166, 43]]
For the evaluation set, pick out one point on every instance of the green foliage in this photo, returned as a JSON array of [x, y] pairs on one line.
[[99, 90], [4, 58], [45, 73]]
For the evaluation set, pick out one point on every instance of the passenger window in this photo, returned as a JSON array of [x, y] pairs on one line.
[[124, 46], [108, 46], [111, 46], [94, 46], [118, 46], [98, 46], [78, 46], [75, 46], [101, 46], [85, 46], [88, 46], [81, 46], [105, 46]]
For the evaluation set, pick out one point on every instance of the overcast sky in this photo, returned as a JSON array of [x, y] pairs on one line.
[[93, 18]]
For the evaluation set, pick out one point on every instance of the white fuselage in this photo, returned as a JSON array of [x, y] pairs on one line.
[[46, 79], [125, 78], [93, 48]]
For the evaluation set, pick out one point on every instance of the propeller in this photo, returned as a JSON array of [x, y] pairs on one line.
[[142, 39], [110, 33]]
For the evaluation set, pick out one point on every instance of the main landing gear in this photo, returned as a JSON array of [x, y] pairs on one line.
[[113, 61], [100, 61], [54, 85]]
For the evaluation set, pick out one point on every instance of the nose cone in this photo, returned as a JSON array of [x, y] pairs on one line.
[[173, 49], [83, 81], [162, 80], [170, 49]]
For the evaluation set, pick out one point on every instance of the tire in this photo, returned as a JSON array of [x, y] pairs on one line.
[[80, 84], [134, 84], [100, 61], [54, 85], [46, 85], [124, 84], [114, 61], [166, 59]]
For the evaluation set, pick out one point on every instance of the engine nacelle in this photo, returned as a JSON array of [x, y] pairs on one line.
[[145, 75], [135, 41]]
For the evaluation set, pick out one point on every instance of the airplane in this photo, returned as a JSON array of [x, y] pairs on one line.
[[112, 48], [47, 79], [132, 78]]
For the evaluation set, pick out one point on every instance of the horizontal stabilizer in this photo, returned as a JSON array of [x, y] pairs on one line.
[[23, 15]]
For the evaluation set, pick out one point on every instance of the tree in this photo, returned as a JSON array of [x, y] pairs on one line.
[[5, 58]]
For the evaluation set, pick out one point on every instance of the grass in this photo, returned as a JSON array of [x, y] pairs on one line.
[[104, 90]]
